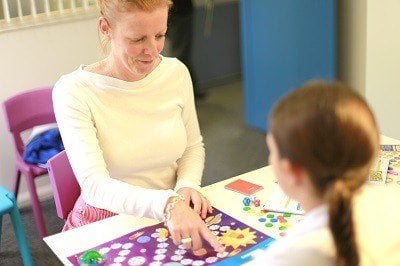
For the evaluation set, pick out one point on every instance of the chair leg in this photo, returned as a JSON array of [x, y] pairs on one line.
[[20, 235], [1, 227], [37, 210], [17, 179]]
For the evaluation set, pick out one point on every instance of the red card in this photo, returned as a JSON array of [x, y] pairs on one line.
[[244, 187]]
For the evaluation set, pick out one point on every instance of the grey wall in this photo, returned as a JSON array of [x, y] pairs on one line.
[[217, 57]]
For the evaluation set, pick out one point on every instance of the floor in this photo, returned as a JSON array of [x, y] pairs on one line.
[[232, 148]]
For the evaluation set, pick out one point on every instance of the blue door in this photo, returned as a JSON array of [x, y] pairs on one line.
[[284, 44]]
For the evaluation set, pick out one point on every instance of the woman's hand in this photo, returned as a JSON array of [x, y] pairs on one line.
[[187, 228], [201, 205]]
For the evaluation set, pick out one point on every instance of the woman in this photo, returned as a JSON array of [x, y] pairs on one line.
[[130, 128]]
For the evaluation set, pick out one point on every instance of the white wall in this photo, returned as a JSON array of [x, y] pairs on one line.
[[369, 56], [383, 63], [34, 57]]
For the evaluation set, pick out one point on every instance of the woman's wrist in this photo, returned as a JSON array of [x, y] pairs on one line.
[[172, 201]]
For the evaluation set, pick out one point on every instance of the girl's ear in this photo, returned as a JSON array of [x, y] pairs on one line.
[[104, 27], [295, 174]]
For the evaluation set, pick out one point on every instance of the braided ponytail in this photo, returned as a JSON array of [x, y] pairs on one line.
[[341, 223]]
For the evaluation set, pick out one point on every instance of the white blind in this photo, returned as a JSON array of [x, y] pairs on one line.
[[14, 11]]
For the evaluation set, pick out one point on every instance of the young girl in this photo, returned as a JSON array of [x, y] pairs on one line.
[[323, 139]]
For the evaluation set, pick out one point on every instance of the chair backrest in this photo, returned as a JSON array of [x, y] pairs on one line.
[[66, 189], [26, 110]]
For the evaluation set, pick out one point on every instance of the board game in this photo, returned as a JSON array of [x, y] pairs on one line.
[[153, 246], [391, 153], [276, 222], [379, 171]]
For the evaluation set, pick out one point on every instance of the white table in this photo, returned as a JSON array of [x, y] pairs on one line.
[[74, 241]]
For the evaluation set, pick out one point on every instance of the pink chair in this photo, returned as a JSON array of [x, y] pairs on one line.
[[22, 112], [66, 189]]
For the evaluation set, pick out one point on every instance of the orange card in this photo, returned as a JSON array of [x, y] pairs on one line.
[[244, 187]]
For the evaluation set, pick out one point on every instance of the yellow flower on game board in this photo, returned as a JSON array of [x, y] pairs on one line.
[[162, 233], [237, 238]]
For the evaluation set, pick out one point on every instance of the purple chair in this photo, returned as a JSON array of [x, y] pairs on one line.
[[66, 189], [22, 112]]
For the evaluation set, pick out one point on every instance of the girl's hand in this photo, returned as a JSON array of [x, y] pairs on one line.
[[201, 205], [187, 228]]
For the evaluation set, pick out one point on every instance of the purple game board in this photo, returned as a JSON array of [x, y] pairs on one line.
[[153, 246]]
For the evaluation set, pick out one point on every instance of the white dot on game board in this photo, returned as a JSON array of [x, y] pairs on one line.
[[163, 245], [162, 239], [198, 263], [155, 263], [135, 261], [232, 223], [222, 255], [104, 250], [224, 228], [181, 247], [180, 251], [154, 235], [186, 261], [161, 251], [214, 227], [124, 252], [159, 257], [215, 232], [119, 259], [143, 250], [176, 257], [116, 246], [127, 245], [211, 259]]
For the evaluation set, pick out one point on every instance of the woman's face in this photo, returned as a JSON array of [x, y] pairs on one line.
[[137, 38]]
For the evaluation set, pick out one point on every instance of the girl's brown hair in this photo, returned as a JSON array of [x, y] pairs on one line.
[[329, 131]]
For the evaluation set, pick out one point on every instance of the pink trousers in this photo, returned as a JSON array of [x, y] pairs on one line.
[[83, 213]]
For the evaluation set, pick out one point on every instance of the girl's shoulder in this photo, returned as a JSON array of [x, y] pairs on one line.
[[313, 248]]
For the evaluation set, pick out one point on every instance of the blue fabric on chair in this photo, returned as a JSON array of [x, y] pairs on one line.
[[43, 146], [9, 205]]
